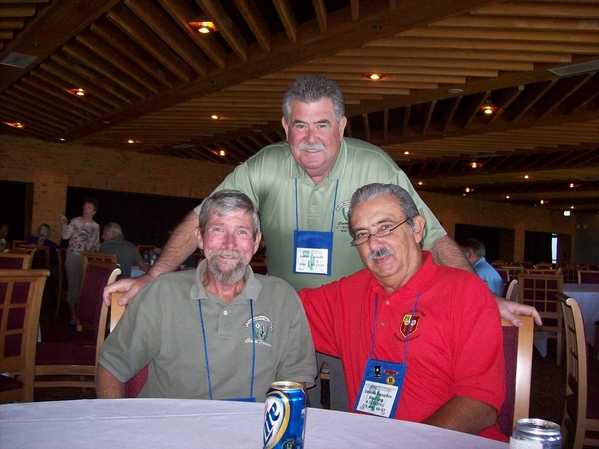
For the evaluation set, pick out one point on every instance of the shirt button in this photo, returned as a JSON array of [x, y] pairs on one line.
[[225, 313], [387, 302], [382, 323]]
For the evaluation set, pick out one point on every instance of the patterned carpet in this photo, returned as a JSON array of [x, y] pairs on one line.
[[547, 391]]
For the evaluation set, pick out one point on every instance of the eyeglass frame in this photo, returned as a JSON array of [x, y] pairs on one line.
[[379, 234]]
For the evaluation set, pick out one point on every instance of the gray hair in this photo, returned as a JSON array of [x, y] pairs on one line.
[[114, 227], [476, 246], [312, 88], [44, 230], [225, 202], [376, 190]]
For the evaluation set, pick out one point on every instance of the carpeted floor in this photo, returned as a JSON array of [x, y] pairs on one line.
[[547, 391]]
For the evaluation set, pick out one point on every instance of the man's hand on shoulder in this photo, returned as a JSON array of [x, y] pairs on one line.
[[129, 287], [509, 310]]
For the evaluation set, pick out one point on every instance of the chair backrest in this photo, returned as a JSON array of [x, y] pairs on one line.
[[540, 271], [503, 272], [15, 261], [538, 290], [576, 352], [517, 350], [513, 271], [18, 243], [21, 294], [41, 256], [100, 257], [510, 290], [134, 385], [544, 265], [588, 276], [95, 277]]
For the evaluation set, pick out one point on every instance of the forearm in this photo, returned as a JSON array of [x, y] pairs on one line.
[[182, 243], [447, 252], [107, 385], [464, 415]]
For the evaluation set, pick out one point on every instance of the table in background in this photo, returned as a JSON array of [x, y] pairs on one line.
[[587, 297], [180, 423]]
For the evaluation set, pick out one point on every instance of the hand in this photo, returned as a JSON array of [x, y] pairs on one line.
[[129, 287], [63, 219], [509, 310]]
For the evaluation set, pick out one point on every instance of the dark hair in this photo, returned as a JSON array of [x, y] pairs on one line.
[[312, 88], [225, 202], [376, 190], [92, 200]]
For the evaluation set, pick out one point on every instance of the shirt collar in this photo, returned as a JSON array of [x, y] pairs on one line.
[[424, 276]]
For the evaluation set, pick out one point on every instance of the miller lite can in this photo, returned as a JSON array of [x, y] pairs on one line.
[[284, 416], [543, 434]]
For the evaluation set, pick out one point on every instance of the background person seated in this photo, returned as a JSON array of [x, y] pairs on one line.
[[405, 316], [43, 238], [126, 252], [474, 250], [218, 332]]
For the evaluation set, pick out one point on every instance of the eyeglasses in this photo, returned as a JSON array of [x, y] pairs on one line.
[[363, 238]]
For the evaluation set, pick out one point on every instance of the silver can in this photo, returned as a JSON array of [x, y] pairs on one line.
[[546, 433]]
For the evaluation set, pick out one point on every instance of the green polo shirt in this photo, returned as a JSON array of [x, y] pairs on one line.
[[269, 178]]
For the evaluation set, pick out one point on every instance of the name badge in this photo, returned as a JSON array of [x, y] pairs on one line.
[[312, 252], [381, 388]]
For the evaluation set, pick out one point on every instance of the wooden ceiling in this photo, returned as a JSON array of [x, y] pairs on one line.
[[152, 79]]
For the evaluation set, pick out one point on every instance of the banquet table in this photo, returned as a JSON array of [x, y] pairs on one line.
[[187, 423], [587, 297]]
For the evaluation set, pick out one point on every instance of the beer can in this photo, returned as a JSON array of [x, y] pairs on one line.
[[545, 434], [284, 416]]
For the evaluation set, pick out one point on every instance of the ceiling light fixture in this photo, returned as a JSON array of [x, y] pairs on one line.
[[215, 117], [222, 153], [17, 125], [566, 213], [455, 91], [476, 165], [203, 25], [406, 153], [77, 91], [375, 76], [489, 107]]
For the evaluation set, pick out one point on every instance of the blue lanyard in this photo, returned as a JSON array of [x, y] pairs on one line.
[[206, 350], [332, 215], [405, 344]]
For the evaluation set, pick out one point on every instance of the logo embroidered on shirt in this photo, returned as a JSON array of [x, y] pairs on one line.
[[409, 319], [263, 327]]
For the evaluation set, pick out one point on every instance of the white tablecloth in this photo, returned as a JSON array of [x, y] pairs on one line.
[[174, 423], [587, 297]]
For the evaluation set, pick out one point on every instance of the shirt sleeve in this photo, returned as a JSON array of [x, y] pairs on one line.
[[319, 306]]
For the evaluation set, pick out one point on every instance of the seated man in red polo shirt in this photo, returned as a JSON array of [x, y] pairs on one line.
[[417, 341]]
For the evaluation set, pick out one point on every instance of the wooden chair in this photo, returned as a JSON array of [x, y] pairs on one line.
[[73, 363], [581, 409], [20, 302], [41, 256], [544, 266], [101, 257], [510, 290], [62, 280], [513, 271], [18, 243], [134, 385], [517, 350], [539, 271], [146, 249], [15, 261], [588, 277], [538, 290]]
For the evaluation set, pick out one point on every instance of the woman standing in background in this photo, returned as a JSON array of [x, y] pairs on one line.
[[83, 234]]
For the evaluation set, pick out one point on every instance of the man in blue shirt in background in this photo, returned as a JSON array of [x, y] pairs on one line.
[[474, 250]]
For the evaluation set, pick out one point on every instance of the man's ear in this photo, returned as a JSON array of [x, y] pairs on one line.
[[286, 127], [419, 223], [199, 239]]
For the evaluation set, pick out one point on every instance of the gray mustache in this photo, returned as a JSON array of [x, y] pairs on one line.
[[380, 253], [317, 146]]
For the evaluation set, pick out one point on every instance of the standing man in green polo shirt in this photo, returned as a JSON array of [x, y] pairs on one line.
[[302, 188]]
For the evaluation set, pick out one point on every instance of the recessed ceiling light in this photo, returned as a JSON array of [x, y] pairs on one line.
[[455, 91], [214, 117], [566, 213], [375, 76], [507, 197], [131, 141], [17, 125], [203, 25], [222, 153], [406, 153], [77, 91]]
